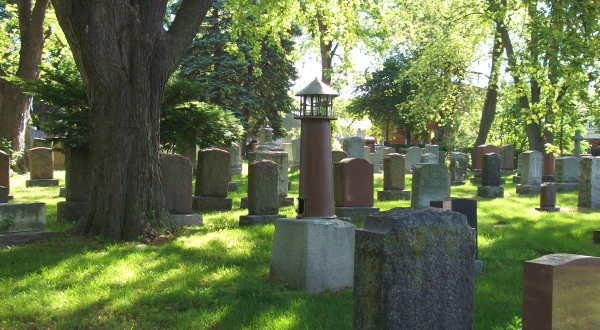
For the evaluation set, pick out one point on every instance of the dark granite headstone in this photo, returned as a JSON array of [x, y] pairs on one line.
[[490, 174], [353, 183], [78, 176], [176, 173], [466, 206], [507, 157], [262, 187], [5, 170], [561, 291], [213, 173], [595, 151], [413, 269], [548, 198], [3, 194]]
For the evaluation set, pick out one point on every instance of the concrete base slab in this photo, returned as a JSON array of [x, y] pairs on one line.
[[28, 216], [313, 254], [232, 186], [508, 172], [490, 191], [203, 203], [263, 219], [70, 212], [22, 237], [457, 183], [548, 178], [548, 209], [393, 195], [524, 189], [516, 179], [286, 201], [179, 220], [566, 186], [41, 183], [355, 214]]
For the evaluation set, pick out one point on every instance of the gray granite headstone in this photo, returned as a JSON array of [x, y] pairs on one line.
[[431, 149], [236, 161], [353, 146], [367, 154], [413, 269], [3, 194], [430, 182], [589, 183], [263, 178], [213, 173], [296, 152], [176, 173], [428, 158], [463, 163], [548, 198], [490, 174], [280, 157], [567, 173], [507, 157], [338, 155], [531, 173], [393, 172], [413, 157], [577, 138], [376, 161]]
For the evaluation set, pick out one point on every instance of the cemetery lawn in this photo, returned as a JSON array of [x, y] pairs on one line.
[[217, 276]]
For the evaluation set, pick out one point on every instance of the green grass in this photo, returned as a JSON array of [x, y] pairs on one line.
[[216, 276]]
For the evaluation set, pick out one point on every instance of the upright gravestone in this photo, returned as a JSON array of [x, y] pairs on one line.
[[399, 256], [432, 149], [263, 202], [42, 143], [413, 157], [507, 158], [458, 167], [78, 185], [531, 173], [561, 291], [388, 150], [176, 173], [367, 154], [442, 157], [280, 157], [595, 151], [41, 168], [577, 138], [549, 171], [236, 160], [212, 180], [517, 178], [288, 148], [295, 165], [548, 198], [589, 183], [3, 194], [338, 155], [567, 173], [428, 158], [490, 177], [429, 182], [5, 171], [376, 161], [485, 149], [393, 179], [190, 153], [353, 189], [353, 146]]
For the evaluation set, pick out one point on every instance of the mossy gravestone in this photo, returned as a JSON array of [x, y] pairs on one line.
[[413, 269]]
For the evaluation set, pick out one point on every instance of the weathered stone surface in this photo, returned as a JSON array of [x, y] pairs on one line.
[[179, 220], [353, 183], [176, 173], [281, 159], [338, 155], [313, 254], [595, 151], [376, 161], [549, 160], [232, 186], [507, 157], [388, 150], [548, 198], [429, 182], [367, 154], [70, 212], [190, 153], [22, 237], [519, 164], [213, 173], [490, 172], [442, 157], [288, 148], [41, 183], [393, 172], [466, 206], [589, 183], [353, 146], [23, 216], [413, 157], [566, 186], [355, 214], [286, 201], [203, 203], [429, 158], [59, 157], [490, 191], [262, 187], [393, 195], [432, 149], [78, 175], [263, 219], [516, 179], [561, 291], [399, 258], [5, 170], [296, 143], [236, 159], [41, 165], [485, 149], [42, 143], [531, 172], [3, 194], [460, 162], [567, 169]]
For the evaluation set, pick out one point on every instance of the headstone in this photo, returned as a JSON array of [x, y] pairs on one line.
[[429, 158], [485, 149], [400, 257], [367, 153], [58, 157], [296, 154], [353, 146], [236, 159], [176, 173], [190, 153], [461, 162], [561, 291], [78, 185], [263, 201], [577, 138], [5, 170], [431, 149], [549, 161], [517, 178], [442, 157], [413, 157], [548, 198], [288, 148], [567, 173], [466, 206], [41, 168], [595, 151], [531, 173], [490, 179], [370, 142], [393, 179], [376, 161], [589, 183], [388, 150], [353, 189], [21, 217], [280, 157], [42, 143], [507, 157], [429, 182], [3, 194], [212, 180], [338, 155]]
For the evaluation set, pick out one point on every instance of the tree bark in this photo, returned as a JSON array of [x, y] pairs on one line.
[[327, 52], [14, 104], [491, 98], [125, 58]]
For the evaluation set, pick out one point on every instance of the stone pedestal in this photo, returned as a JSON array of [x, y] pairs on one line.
[[548, 198], [203, 203], [41, 183], [355, 214], [490, 191], [566, 186], [516, 179], [393, 195], [262, 219], [524, 189], [70, 212], [232, 186], [315, 254], [23, 216], [179, 220]]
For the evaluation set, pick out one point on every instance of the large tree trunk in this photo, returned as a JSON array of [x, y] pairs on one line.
[[327, 52], [125, 58], [491, 98], [14, 104]]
